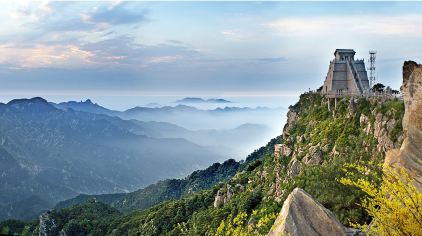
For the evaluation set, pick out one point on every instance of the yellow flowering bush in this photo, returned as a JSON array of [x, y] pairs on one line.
[[241, 223], [395, 204]]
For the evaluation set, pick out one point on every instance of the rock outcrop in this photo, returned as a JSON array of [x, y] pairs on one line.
[[294, 168], [282, 149], [314, 157], [382, 125], [380, 129], [303, 216], [224, 194], [291, 119], [409, 156]]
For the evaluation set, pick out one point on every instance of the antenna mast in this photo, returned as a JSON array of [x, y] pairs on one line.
[[371, 68]]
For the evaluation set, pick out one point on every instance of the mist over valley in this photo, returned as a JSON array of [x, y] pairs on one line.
[[60, 150]]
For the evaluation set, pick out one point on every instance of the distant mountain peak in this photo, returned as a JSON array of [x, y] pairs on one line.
[[86, 106], [201, 100], [185, 106], [27, 100], [153, 105], [34, 104], [86, 102]]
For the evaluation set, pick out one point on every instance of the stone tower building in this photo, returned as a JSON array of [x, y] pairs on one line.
[[346, 76]]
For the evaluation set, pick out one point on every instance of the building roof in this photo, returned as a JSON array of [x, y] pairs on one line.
[[344, 50]]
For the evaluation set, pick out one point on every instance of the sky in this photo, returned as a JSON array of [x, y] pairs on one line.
[[122, 54]]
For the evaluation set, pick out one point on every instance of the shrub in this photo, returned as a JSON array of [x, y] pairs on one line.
[[395, 206]]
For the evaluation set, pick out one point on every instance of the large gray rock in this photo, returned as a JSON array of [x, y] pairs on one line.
[[301, 215]]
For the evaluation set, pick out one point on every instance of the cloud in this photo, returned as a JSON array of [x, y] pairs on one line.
[[116, 14], [68, 25], [31, 13], [178, 42], [163, 59], [233, 34], [67, 16], [120, 51], [45, 56], [123, 50], [272, 59], [398, 25], [300, 26]]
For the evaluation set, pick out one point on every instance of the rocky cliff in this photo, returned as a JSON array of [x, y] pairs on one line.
[[302, 215], [379, 119], [409, 156]]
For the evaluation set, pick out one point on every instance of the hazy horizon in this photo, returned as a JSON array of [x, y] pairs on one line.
[[122, 103]]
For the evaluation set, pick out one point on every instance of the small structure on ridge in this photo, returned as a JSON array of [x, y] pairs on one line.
[[346, 76]]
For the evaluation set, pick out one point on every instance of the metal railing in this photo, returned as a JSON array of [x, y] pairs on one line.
[[341, 93]]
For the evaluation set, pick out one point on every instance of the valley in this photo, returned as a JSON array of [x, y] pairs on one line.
[[59, 152]]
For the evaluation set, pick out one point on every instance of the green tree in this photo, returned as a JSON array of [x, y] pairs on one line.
[[378, 87]]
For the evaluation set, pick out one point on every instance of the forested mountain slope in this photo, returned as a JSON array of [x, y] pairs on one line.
[[50, 155], [163, 190], [315, 146]]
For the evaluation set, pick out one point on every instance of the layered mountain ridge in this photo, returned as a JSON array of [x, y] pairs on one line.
[[51, 152], [54, 154], [317, 144], [186, 116]]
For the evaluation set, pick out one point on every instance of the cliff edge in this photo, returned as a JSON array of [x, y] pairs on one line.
[[409, 156]]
